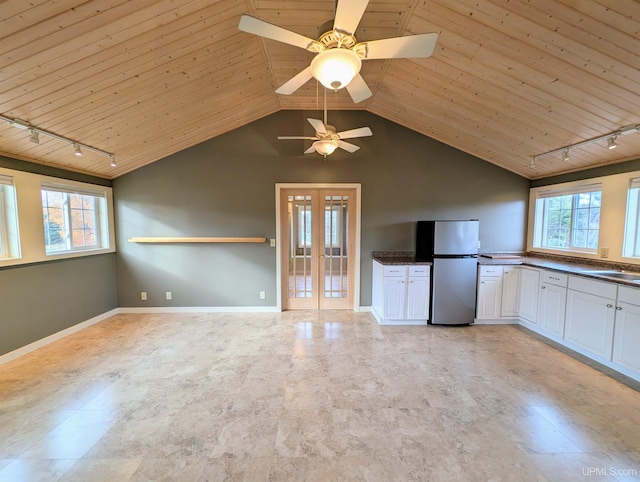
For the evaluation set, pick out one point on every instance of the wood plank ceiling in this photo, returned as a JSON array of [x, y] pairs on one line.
[[143, 79]]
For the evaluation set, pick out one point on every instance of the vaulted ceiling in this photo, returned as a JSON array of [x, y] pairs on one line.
[[143, 79]]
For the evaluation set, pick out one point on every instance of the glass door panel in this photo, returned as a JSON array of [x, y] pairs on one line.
[[335, 262], [316, 255], [300, 269]]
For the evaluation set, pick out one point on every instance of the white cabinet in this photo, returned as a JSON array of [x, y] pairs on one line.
[[418, 288], [489, 292], [510, 292], [552, 302], [401, 293], [497, 298], [590, 315], [529, 287], [626, 341]]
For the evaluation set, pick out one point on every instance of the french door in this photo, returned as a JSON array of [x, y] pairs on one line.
[[318, 232]]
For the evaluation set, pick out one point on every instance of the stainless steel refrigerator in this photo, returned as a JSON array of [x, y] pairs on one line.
[[452, 247]]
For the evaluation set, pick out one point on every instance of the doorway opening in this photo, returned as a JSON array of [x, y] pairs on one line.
[[319, 246]]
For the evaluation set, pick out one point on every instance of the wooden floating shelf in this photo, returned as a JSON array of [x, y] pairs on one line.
[[195, 240]]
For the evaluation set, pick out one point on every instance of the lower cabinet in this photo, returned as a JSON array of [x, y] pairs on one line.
[[552, 301], [510, 292], [497, 298], [626, 341], [401, 294], [489, 298], [590, 315], [529, 287]]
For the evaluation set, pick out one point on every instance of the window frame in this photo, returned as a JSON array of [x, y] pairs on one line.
[[99, 213], [540, 211], [9, 233], [631, 240], [4, 239], [25, 222]]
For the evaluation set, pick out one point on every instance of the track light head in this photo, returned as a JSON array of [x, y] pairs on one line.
[[35, 137], [77, 150], [565, 155], [112, 161], [611, 142]]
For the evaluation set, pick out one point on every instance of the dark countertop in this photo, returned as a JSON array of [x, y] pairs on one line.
[[569, 267], [389, 260]]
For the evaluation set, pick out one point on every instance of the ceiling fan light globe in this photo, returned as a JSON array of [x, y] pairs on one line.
[[325, 147], [335, 68]]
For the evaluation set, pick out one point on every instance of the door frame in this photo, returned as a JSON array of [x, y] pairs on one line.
[[356, 274]]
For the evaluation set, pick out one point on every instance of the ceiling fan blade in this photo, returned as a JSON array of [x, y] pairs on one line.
[[348, 146], [359, 132], [411, 47], [265, 29], [358, 89], [348, 15], [297, 137], [295, 82], [318, 125], [310, 150]]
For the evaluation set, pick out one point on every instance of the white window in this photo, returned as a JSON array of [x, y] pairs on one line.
[[74, 219], [568, 218], [631, 248], [8, 219]]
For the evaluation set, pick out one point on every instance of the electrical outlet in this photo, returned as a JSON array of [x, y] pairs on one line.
[[143, 295], [263, 295], [169, 295], [604, 252]]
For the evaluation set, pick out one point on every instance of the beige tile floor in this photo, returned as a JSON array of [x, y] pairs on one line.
[[305, 396]]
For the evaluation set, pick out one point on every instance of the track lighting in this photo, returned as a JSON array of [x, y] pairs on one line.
[[35, 138], [610, 138]]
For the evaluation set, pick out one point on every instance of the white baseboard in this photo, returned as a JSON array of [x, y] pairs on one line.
[[499, 321], [200, 309], [12, 355]]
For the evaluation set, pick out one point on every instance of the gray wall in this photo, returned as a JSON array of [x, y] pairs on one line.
[[41, 299], [226, 187]]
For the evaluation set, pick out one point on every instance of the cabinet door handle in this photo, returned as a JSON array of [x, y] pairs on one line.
[[543, 287], [609, 305], [619, 308]]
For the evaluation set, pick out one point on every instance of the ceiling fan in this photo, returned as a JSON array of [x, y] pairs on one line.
[[339, 56], [327, 139]]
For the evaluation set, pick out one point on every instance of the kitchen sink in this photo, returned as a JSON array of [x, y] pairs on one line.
[[603, 272], [613, 273], [624, 276]]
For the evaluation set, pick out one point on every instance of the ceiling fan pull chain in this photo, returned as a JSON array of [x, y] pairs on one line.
[[325, 107]]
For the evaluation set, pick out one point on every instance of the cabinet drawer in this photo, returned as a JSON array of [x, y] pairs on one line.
[[420, 270], [395, 270], [554, 278], [629, 295], [594, 287], [490, 270]]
